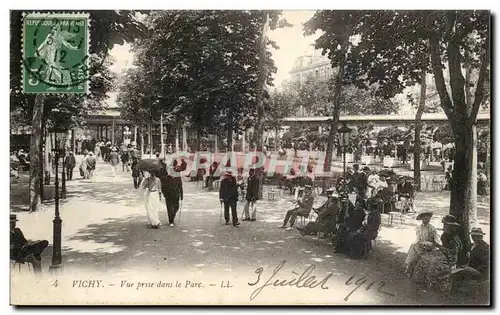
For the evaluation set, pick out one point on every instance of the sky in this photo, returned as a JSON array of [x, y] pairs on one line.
[[291, 41]]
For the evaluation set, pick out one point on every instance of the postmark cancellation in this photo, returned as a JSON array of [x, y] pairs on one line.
[[55, 53]]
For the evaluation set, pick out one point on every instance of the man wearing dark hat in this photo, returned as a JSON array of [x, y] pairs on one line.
[[327, 215], [303, 209], [23, 251], [252, 195], [70, 163], [228, 194], [359, 181], [171, 188], [357, 239], [353, 222]]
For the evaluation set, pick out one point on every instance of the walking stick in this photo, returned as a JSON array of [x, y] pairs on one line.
[[220, 214], [180, 212]]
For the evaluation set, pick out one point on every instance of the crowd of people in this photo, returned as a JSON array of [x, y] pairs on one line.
[[432, 260]]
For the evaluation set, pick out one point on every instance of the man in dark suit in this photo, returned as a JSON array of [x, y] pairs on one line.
[[304, 208], [252, 195], [70, 163], [23, 251], [359, 181], [228, 194], [327, 215], [171, 188]]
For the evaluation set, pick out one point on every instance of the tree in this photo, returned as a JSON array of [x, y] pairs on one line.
[[395, 48], [107, 28], [203, 66], [338, 28], [281, 105]]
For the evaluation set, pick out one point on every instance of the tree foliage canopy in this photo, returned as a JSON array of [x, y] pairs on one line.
[[201, 67]]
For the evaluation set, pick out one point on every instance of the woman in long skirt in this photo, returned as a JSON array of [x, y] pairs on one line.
[[152, 191]]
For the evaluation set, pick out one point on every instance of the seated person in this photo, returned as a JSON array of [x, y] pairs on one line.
[[23, 160], [327, 215], [303, 209], [433, 269], [427, 239], [356, 240], [482, 184], [23, 251], [211, 172], [353, 222], [478, 265], [406, 190]]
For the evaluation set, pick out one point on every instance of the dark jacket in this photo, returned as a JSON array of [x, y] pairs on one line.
[[171, 187], [480, 257], [124, 157], [70, 161], [359, 180], [17, 241], [228, 189], [370, 230], [252, 188], [329, 210], [306, 204], [355, 220], [135, 171]]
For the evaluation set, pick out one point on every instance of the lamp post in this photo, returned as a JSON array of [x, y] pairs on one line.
[[58, 146], [345, 140]]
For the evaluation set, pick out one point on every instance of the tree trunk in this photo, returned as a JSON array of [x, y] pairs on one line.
[[472, 190], [230, 130], [142, 141], [259, 130], [418, 129], [461, 185], [336, 113], [150, 140], [198, 139], [276, 139], [162, 141], [176, 138], [184, 138], [35, 154]]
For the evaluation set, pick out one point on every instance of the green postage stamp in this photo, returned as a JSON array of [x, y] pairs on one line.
[[55, 53]]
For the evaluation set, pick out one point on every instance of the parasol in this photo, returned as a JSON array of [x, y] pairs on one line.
[[148, 165]]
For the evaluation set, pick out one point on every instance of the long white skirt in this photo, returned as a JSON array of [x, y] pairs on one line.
[[152, 202]]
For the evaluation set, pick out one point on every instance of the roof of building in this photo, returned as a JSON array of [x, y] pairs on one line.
[[394, 117]]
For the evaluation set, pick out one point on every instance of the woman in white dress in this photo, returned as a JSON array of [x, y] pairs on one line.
[[152, 193]]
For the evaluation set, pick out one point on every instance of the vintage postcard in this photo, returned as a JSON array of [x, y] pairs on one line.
[[250, 157]]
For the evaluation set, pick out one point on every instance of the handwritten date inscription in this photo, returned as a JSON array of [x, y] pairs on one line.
[[360, 282], [306, 280]]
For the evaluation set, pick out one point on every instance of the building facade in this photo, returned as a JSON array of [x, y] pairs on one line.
[[314, 67]]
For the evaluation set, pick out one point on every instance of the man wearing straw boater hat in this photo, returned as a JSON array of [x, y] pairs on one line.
[[23, 251], [228, 194], [427, 238]]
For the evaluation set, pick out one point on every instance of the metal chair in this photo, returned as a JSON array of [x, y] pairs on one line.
[[14, 263]]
